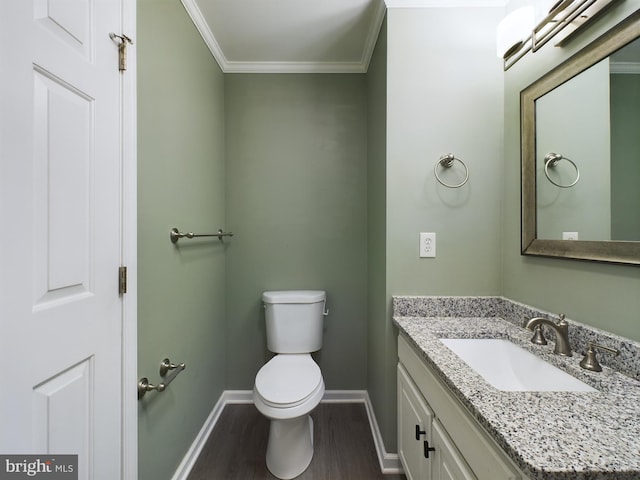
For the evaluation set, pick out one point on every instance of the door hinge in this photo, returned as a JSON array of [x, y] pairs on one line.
[[122, 280], [122, 49]]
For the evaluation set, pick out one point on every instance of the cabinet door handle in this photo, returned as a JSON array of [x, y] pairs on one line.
[[427, 449], [419, 432]]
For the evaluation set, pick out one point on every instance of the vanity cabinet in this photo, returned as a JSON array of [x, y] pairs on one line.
[[438, 439], [415, 425], [425, 450]]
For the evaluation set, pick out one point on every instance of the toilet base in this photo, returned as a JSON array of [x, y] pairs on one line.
[[290, 446]]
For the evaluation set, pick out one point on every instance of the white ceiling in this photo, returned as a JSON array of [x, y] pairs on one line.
[[295, 36], [289, 36]]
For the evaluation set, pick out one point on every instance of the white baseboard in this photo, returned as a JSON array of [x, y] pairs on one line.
[[189, 460], [389, 462]]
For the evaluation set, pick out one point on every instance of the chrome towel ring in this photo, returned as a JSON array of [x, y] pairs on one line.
[[446, 161], [551, 160]]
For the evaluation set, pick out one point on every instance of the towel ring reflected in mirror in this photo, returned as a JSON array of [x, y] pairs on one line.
[[551, 160]]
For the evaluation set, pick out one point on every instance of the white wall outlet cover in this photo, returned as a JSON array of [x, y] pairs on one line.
[[570, 235], [427, 244]]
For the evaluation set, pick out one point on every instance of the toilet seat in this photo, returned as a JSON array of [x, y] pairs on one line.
[[288, 380]]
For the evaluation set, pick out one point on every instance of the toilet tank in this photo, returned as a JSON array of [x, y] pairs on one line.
[[294, 320]]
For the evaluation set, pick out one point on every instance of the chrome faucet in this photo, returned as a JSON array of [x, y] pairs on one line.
[[561, 329]]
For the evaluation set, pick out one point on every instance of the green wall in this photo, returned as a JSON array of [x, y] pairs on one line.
[[625, 167], [601, 295], [296, 200], [181, 183], [444, 96], [381, 345]]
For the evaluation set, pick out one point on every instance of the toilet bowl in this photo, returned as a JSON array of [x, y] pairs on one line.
[[287, 389], [290, 385]]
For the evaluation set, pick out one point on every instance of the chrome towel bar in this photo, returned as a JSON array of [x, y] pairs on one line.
[[165, 367], [176, 235]]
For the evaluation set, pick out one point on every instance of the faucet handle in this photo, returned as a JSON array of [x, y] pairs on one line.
[[562, 320], [590, 360], [538, 336]]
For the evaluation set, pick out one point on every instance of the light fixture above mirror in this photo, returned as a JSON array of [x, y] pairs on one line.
[[564, 18]]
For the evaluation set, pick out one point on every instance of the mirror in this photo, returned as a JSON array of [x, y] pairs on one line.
[[581, 153]]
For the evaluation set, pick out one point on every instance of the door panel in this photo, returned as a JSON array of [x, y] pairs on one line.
[[61, 319], [63, 132], [58, 399], [448, 464], [67, 20]]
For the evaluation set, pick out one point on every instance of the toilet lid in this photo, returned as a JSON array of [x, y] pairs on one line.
[[288, 379]]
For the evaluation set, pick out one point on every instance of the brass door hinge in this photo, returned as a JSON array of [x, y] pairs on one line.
[[122, 49], [122, 280]]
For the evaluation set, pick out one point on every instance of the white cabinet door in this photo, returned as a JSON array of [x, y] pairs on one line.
[[414, 430], [448, 464]]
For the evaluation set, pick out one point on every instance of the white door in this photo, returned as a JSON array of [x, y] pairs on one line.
[[61, 329]]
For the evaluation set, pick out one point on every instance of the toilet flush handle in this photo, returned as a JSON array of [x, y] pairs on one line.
[[325, 310]]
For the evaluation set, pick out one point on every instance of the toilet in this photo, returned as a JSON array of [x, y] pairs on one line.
[[290, 385]]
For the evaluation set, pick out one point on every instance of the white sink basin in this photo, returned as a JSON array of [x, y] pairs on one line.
[[506, 366]]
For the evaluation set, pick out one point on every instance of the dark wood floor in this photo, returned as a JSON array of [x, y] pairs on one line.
[[344, 448]]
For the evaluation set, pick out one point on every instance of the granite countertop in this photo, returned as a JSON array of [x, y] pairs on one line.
[[549, 435]]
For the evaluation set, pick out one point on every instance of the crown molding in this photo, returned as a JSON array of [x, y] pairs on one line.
[[372, 36], [228, 66], [205, 32], [630, 68], [294, 67]]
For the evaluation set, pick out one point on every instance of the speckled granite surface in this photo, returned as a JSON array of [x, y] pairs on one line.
[[627, 362], [549, 435]]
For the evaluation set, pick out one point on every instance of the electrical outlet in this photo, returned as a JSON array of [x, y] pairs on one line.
[[570, 235], [427, 244]]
